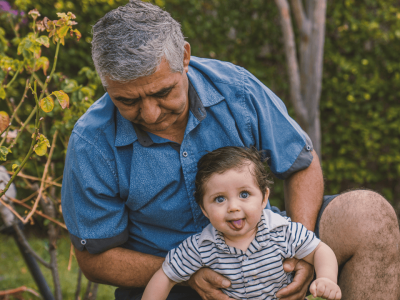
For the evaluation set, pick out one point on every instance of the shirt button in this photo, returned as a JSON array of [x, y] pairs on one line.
[[185, 154], [246, 259], [83, 242], [308, 147]]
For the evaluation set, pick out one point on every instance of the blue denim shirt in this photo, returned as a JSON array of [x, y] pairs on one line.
[[125, 187]]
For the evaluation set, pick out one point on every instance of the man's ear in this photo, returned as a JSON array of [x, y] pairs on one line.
[[186, 57], [265, 200], [204, 212]]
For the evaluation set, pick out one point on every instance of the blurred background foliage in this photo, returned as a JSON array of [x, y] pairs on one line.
[[360, 102]]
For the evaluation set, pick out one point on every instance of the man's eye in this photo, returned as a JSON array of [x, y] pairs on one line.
[[129, 103], [219, 199], [244, 194], [162, 95]]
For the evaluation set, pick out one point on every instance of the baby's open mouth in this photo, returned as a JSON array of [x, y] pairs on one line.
[[236, 224]]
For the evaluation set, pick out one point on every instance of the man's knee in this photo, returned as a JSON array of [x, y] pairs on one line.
[[359, 218]]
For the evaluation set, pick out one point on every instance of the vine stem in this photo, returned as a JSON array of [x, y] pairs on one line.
[[41, 95], [15, 76], [30, 150], [15, 112], [46, 168]]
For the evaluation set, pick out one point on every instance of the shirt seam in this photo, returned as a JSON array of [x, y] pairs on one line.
[[248, 122], [100, 152]]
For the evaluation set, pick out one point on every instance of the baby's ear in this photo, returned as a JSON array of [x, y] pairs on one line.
[[204, 212], [265, 200]]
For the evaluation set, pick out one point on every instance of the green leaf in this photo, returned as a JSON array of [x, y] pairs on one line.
[[43, 40], [47, 104], [4, 120], [62, 98], [2, 93], [14, 167], [42, 145], [4, 152]]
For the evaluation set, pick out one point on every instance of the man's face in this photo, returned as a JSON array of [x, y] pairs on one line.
[[158, 102]]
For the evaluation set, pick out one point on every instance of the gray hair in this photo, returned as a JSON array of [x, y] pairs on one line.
[[130, 41]]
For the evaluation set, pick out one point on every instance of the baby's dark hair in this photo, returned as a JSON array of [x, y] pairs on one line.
[[227, 158]]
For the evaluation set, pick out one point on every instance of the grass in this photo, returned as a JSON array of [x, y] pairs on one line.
[[14, 272]]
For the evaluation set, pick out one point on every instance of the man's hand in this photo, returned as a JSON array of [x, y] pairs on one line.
[[304, 273], [208, 283]]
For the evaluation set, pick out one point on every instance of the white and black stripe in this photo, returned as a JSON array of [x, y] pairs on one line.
[[255, 274]]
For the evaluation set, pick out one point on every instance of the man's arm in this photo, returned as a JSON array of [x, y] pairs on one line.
[[126, 268], [119, 267], [303, 199], [303, 194]]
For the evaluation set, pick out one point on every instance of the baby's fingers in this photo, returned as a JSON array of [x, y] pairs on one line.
[[332, 295], [313, 289]]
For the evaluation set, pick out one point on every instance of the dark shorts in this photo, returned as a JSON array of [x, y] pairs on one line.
[[183, 292]]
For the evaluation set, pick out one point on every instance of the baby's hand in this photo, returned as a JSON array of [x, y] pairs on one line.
[[325, 288]]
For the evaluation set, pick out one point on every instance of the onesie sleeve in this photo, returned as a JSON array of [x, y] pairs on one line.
[[93, 211], [300, 242], [183, 261]]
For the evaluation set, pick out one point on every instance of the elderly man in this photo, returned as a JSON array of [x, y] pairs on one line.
[[132, 159]]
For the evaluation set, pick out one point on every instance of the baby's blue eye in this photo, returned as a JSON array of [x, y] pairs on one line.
[[244, 194], [219, 199]]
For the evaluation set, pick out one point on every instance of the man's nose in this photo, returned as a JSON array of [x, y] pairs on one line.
[[150, 110]]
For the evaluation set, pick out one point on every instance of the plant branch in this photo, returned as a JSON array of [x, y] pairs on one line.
[[71, 253], [14, 77], [46, 168], [2, 201], [15, 111], [38, 179], [28, 248], [19, 290], [36, 212], [33, 112]]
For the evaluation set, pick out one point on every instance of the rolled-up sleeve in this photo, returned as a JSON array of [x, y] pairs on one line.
[[287, 146], [94, 213]]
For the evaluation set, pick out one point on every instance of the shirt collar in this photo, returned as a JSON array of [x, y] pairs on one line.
[[269, 221], [204, 88], [128, 132]]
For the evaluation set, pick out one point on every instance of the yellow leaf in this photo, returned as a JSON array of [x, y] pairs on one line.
[[2, 93], [43, 40], [78, 34], [42, 145], [4, 152], [14, 167], [43, 62], [62, 98], [4, 121], [47, 104]]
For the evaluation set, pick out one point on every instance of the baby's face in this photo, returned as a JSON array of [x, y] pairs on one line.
[[233, 202]]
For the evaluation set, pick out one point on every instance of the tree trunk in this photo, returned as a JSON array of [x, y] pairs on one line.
[[306, 79]]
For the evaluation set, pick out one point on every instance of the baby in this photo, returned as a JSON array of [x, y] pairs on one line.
[[244, 242]]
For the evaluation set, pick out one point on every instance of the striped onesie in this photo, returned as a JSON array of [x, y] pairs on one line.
[[254, 274]]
